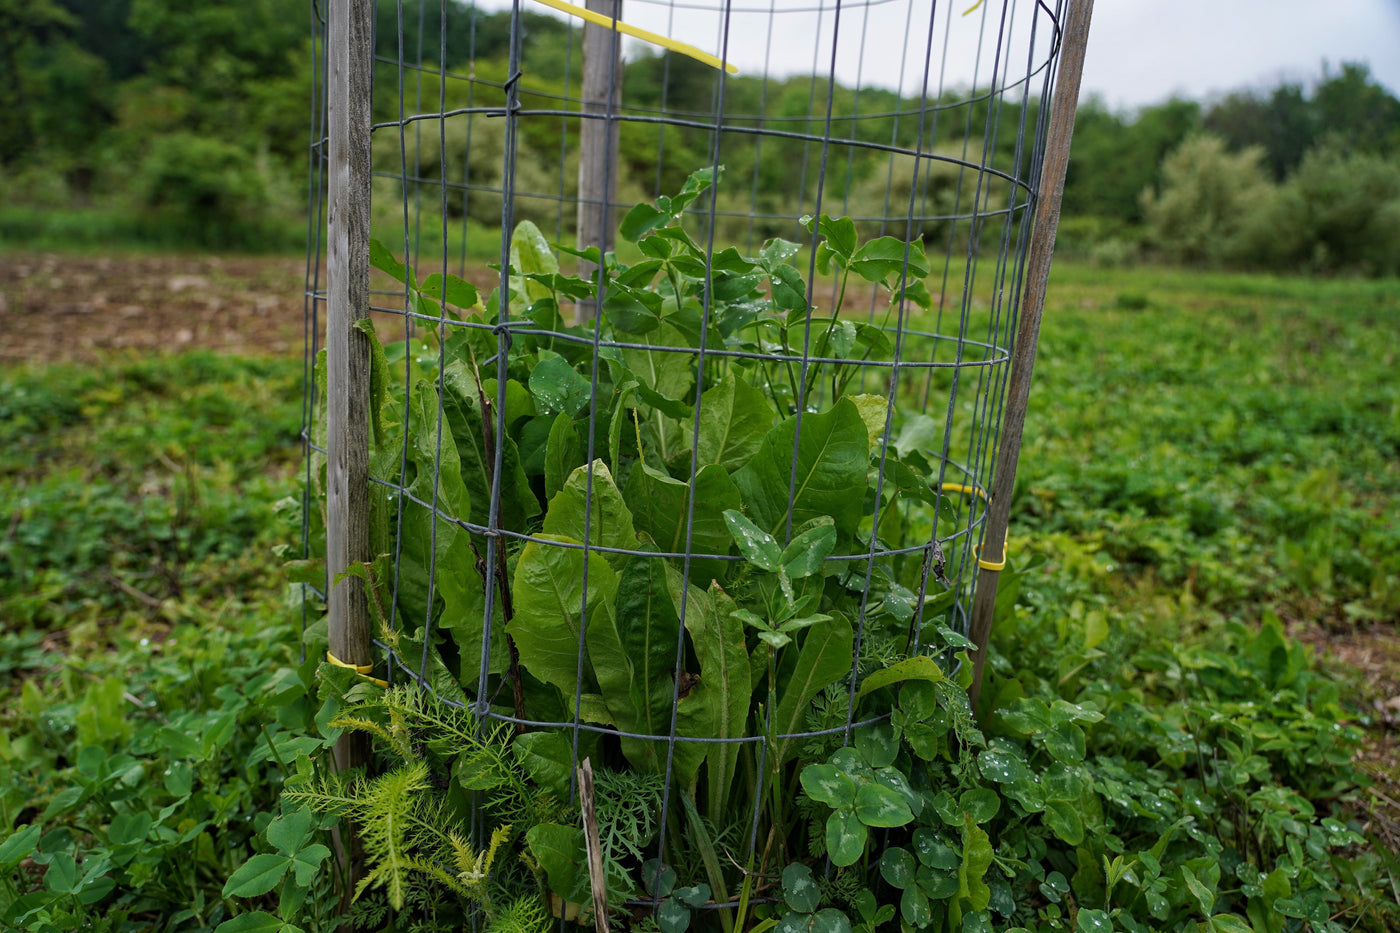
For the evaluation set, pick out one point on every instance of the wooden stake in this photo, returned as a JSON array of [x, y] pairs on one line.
[[599, 139], [1042, 246], [350, 58]]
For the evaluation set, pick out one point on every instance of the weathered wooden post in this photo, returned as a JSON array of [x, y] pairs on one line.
[[350, 59], [1042, 246], [599, 137]]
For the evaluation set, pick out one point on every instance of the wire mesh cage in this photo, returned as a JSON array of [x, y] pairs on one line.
[[691, 339]]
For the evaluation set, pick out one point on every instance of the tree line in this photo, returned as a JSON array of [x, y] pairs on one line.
[[189, 122]]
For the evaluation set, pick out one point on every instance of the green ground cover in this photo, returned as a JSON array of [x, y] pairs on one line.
[[1209, 461]]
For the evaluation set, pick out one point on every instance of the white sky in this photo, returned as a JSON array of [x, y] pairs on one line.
[[1140, 51]]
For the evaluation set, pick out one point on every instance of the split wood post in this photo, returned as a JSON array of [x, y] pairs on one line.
[[350, 52], [1042, 246], [599, 139]]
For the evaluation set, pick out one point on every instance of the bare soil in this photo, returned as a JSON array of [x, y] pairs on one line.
[[77, 308]]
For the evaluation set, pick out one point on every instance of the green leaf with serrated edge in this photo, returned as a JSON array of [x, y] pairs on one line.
[[255, 922], [877, 743], [826, 784], [805, 554], [845, 837], [257, 876], [831, 457], [920, 668], [897, 867], [610, 524], [548, 591], [800, 889], [976, 859], [758, 547], [734, 417], [823, 659], [886, 256]]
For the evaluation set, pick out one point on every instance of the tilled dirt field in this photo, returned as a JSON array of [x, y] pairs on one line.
[[77, 308]]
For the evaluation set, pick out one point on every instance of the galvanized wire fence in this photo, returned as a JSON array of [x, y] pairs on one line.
[[675, 449]]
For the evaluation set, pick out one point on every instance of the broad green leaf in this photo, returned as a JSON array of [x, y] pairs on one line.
[[885, 256], [610, 525], [824, 658], [719, 703], [255, 922], [829, 920], [805, 554], [934, 852], [547, 757], [831, 453], [641, 220], [530, 254], [257, 876], [977, 858], [631, 311], [877, 743], [1089, 920], [734, 417], [290, 831], [549, 597], [758, 547], [19, 844], [827, 784], [878, 805], [1002, 767], [800, 889], [897, 867], [563, 454], [1204, 896], [558, 387], [61, 876], [897, 782], [307, 862], [560, 852], [1063, 818], [381, 258], [660, 505], [873, 410], [920, 668], [845, 837], [667, 366], [914, 907], [840, 233], [1229, 923], [980, 804], [1066, 743]]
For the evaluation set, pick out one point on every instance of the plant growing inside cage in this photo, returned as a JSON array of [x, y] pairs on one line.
[[688, 540]]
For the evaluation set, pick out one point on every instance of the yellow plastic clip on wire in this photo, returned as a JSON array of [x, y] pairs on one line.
[[362, 669], [607, 22], [975, 491]]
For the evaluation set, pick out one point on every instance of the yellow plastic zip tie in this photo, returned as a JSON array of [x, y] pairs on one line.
[[362, 669], [975, 491], [607, 22], [988, 565]]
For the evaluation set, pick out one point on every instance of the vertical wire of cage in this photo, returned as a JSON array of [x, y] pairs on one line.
[[684, 547]]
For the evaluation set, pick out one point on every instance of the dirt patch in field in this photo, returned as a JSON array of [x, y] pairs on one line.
[[78, 308]]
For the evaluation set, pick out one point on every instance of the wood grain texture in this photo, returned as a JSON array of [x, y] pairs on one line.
[[599, 139], [1050, 192]]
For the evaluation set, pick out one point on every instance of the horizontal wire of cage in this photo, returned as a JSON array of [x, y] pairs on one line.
[[480, 370]]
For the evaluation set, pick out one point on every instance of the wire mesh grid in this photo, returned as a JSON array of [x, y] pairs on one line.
[[684, 530]]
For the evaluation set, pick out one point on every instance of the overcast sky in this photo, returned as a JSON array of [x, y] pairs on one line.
[[1140, 51]]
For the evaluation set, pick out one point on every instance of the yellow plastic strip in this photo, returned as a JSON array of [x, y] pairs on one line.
[[362, 669], [974, 491], [607, 22]]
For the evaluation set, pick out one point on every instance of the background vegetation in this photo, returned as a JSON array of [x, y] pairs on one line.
[[167, 122]]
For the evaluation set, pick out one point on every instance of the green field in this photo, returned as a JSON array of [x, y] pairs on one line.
[[1211, 468]]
